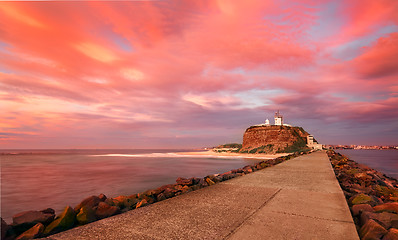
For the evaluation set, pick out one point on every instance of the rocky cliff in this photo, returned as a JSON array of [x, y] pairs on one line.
[[274, 139]]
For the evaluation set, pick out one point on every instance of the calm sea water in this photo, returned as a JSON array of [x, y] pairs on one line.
[[385, 161], [38, 179]]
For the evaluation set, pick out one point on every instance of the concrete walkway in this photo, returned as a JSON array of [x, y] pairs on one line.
[[297, 199]]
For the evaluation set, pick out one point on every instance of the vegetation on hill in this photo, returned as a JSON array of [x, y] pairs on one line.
[[230, 145]]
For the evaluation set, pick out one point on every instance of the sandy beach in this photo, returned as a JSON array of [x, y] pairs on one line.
[[211, 153]]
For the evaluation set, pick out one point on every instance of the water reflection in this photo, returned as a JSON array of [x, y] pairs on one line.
[[38, 181]]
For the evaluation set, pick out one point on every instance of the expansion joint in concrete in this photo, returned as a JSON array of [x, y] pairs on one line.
[[312, 217], [252, 213]]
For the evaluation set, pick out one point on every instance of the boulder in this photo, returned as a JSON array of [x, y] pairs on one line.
[[168, 193], [86, 215], [361, 199], [149, 193], [131, 202], [372, 230], [119, 201], [215, 178], [386, 219], [195, 180], [32, 217], [186, 189], [105, 210], [102, 197], [164, 187], [63, 222], [390, 207], [89, 202], [33, 232], [48, 211], [226, 176], [109, 201], [357, 209], [184, 181], [4, 228], [143, 203], [391, 235], [160, 197], [247, 169], [210, 182], [264, 164]]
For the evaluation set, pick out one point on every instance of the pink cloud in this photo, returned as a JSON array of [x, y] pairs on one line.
[[379, 60]]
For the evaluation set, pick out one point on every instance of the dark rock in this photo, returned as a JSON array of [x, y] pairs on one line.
[[102, 197], [184, 181], [131, 202], [33, 232], [228, 176], [4, 228], [390, 207], [168, 193], [195, 180], [357, 209], [161, 197], [203, 183], [394, 224], [195, 187], [109, 201], [391, 235], [63, 222], [86, 215], [105, 210], [48, 211], [89, 202], [384, 218], [372, 230], [32, 217]]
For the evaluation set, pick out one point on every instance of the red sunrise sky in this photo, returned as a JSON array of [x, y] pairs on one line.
[[179, 74]]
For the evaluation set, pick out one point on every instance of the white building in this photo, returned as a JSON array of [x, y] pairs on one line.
[[311, 143], [267, 122], [278, 119]]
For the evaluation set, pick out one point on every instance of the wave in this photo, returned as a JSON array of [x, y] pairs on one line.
[[174, 155]]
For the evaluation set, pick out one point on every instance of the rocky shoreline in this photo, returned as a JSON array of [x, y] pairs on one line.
[[35, 224], [371, 196]]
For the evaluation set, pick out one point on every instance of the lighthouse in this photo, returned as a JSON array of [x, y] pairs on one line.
[[278, 119]]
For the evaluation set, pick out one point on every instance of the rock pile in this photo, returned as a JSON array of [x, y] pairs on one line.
[[33, 224], [371, 195]]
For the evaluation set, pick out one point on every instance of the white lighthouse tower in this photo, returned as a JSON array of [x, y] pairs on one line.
[[278, 119]]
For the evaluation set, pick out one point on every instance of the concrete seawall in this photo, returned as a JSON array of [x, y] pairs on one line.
[[297, 199]]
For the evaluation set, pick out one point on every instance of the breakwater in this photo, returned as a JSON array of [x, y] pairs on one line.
[[44, 223], [371, 195]]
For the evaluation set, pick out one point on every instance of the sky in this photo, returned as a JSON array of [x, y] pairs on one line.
[[187, 74]]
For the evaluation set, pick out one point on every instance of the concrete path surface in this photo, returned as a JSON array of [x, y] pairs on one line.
[[297, 199]]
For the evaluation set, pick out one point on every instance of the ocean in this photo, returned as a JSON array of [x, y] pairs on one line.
[[385, 161], [38, 179]]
